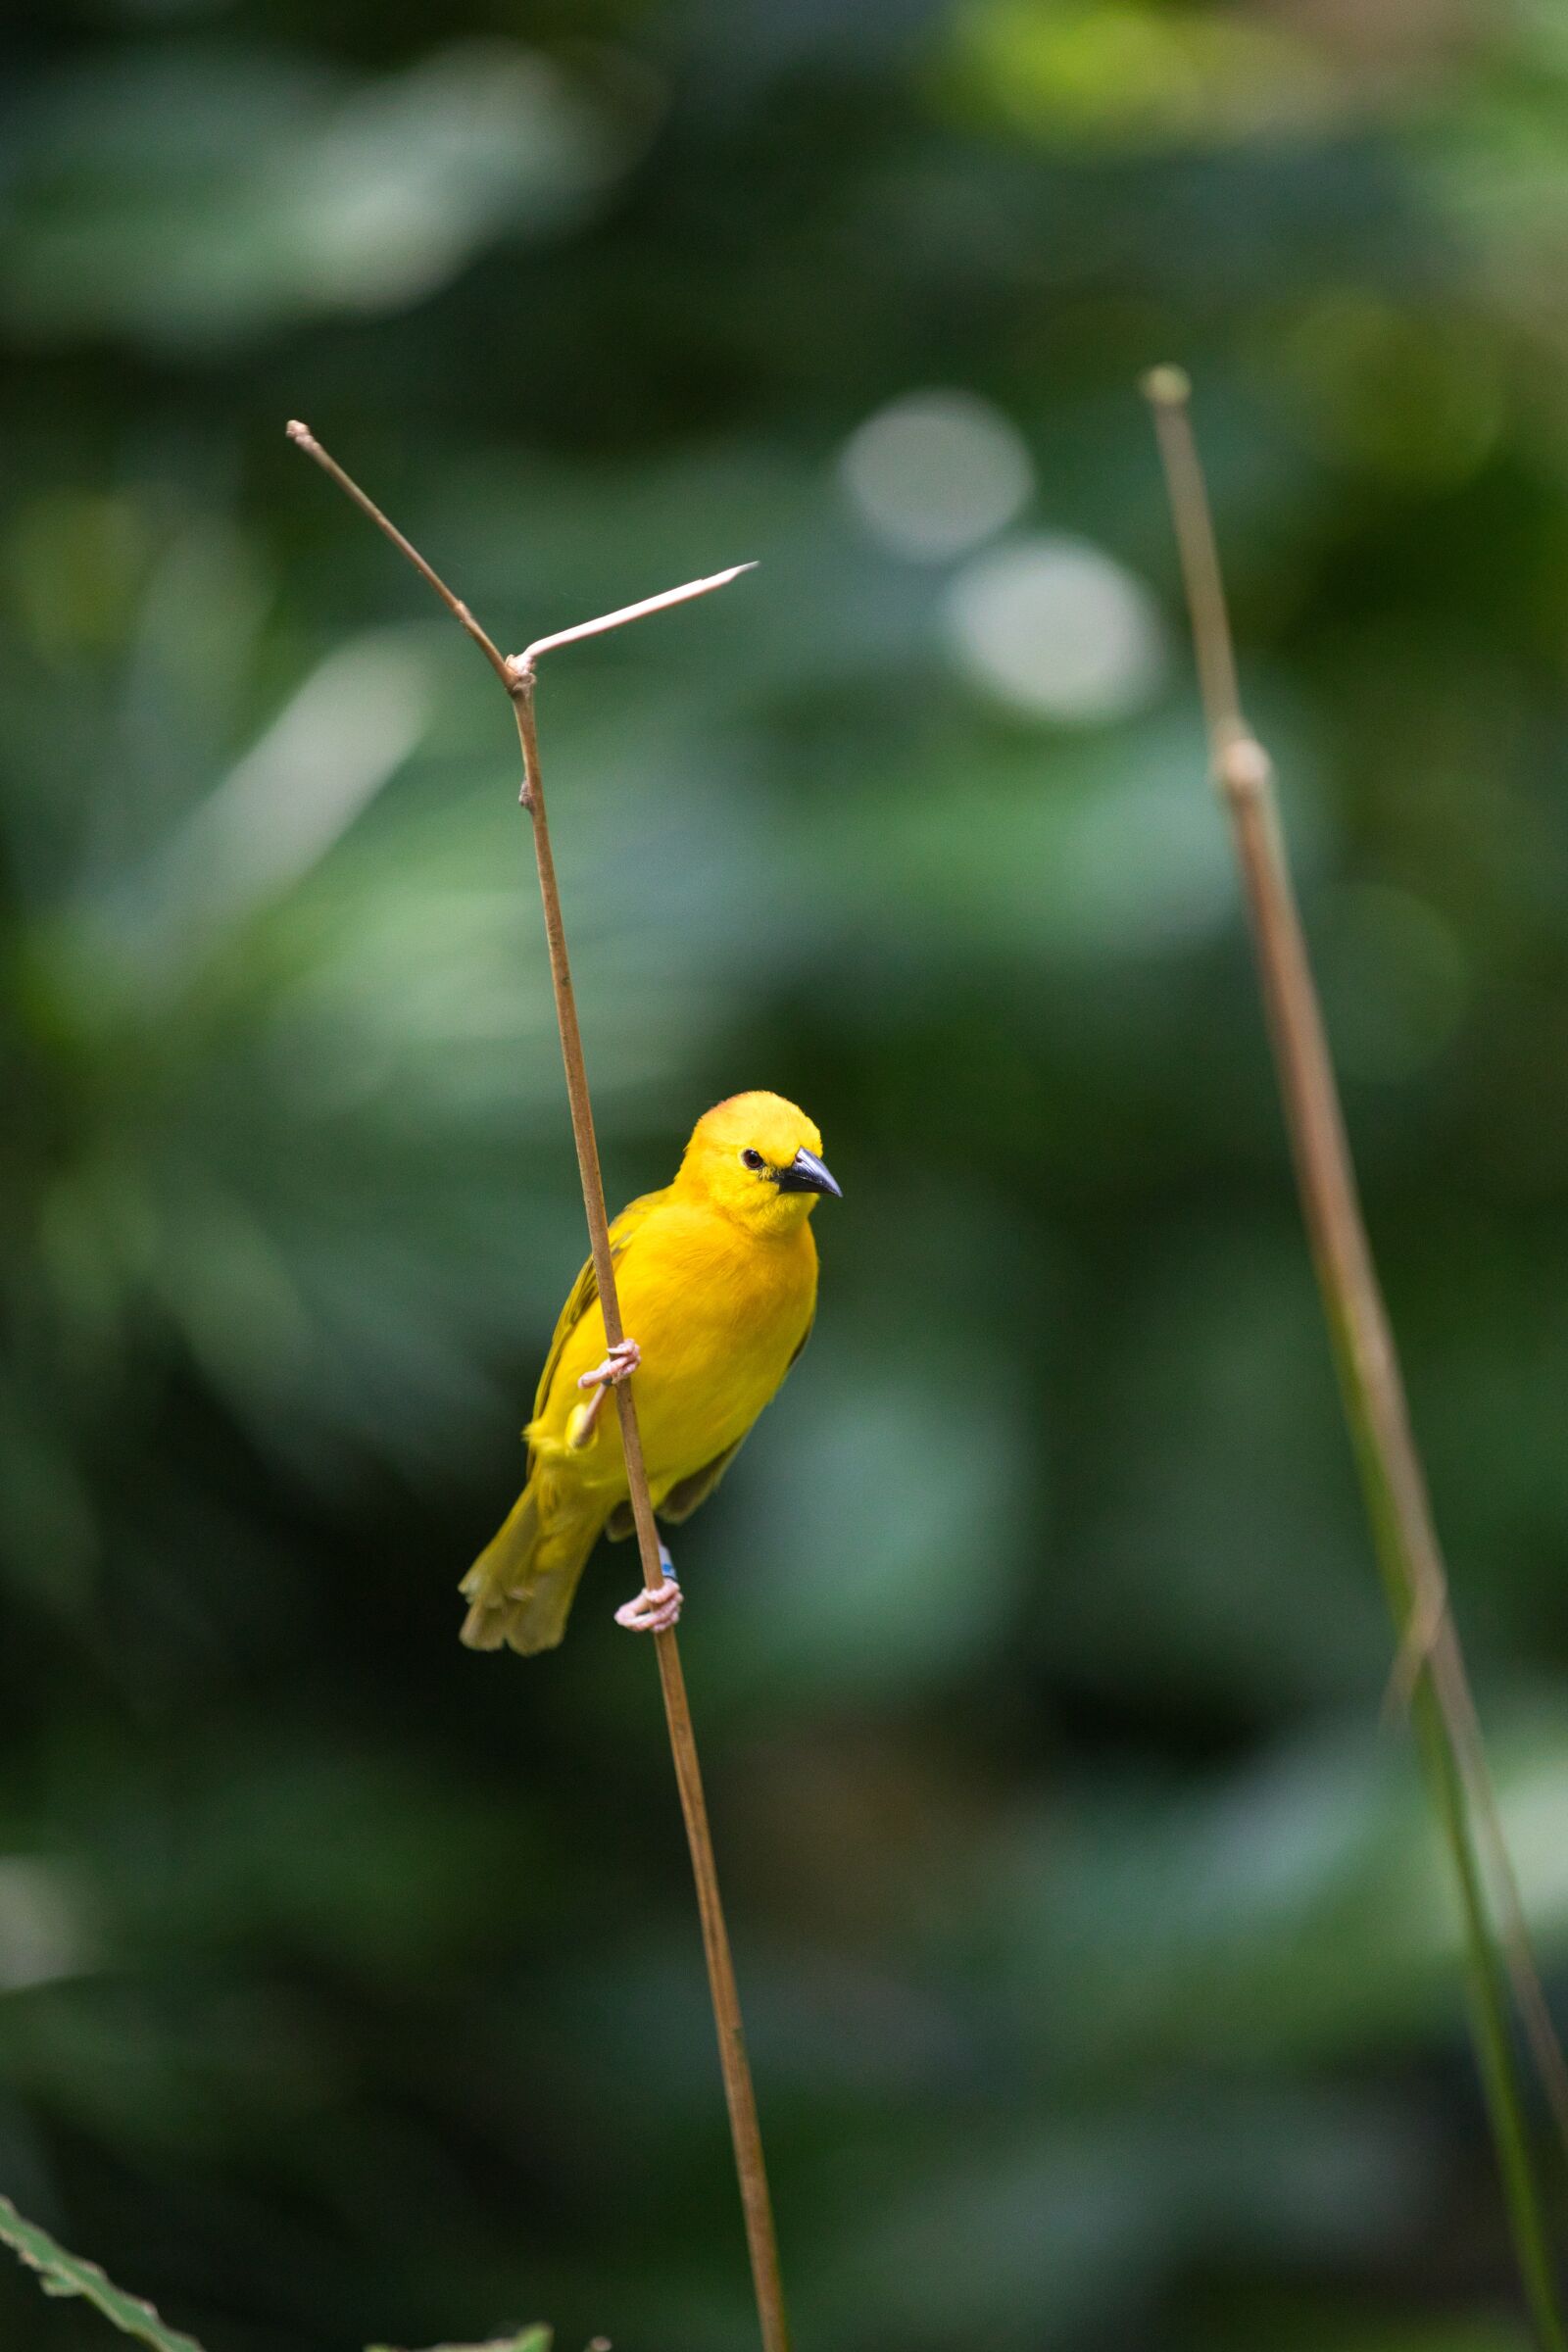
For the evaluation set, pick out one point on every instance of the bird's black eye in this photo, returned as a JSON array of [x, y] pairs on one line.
[[752, 1160]]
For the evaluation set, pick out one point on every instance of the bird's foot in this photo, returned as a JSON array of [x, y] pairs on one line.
[[619, 1363], [653, 1613]]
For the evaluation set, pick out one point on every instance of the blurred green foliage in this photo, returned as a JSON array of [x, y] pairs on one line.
[[1102, 1978]]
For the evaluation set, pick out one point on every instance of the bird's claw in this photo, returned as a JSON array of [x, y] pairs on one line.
[[620, 1363], [653, 1613]]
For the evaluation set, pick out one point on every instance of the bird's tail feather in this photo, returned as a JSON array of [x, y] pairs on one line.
[[522, 1587]]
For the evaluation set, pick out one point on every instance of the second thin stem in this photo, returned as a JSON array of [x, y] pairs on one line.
[[1405, 1536]]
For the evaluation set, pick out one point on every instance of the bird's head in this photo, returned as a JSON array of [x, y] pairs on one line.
[[757, 1157]]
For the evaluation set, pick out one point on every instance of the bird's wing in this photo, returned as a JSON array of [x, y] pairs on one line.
[[585, 1290], [683, 1498]]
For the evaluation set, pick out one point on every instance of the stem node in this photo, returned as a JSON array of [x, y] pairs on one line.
[[1243, 768]]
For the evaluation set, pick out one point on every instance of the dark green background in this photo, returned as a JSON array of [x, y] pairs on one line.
[[1100, 1970]]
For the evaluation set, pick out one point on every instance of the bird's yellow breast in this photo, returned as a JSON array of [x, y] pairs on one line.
[[720, 1313]]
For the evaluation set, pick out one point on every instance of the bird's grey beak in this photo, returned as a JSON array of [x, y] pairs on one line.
[[805, 1173]]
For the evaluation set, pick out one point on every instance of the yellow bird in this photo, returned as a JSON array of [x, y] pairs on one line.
[[717, 1277]]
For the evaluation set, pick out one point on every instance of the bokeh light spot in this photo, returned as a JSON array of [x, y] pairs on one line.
[[934, 473], [1395, 980], [1129, 75], [43, 1932], [1416, 398], [1056, 627]]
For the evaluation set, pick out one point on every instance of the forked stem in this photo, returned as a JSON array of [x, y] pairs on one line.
[[517, 676], [1431, 1665]]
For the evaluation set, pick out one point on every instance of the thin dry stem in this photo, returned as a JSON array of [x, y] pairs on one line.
[[1429, 1649], [523, 662], [517, 677], [303, 438]]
